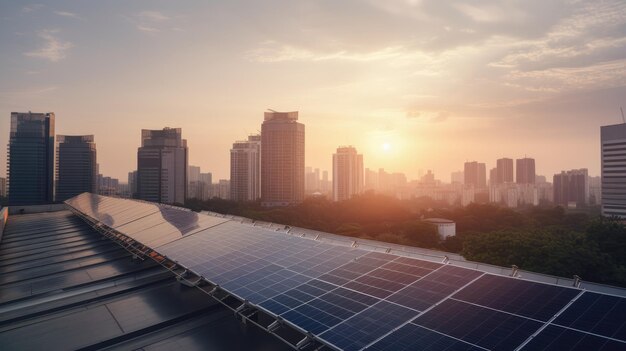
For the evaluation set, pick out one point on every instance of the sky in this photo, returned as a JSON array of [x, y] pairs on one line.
[[412, 84]]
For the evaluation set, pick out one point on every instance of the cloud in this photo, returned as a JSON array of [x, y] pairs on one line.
[[147, 29], [271, 51], [67, 14], [582, 51], [154, 16], [32, 8], [154, 22], [428, 116], [53, 49]]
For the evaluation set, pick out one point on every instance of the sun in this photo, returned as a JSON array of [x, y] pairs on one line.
[[386, 147]]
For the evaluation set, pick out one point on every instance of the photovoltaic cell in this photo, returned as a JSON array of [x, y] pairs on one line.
[[433, 288], [554, 338], [529, 299], [414, 337], [480, 326], [418, 263], [596, 313], [367, 326]]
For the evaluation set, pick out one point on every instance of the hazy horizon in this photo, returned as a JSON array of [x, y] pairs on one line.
[[439, 83]]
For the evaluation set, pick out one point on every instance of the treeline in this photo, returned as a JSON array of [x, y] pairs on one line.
[[545, 240]]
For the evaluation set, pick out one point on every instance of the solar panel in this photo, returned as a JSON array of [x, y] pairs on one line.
[[596, 313], [477, 325], [352, 299], [529, 299], [414, 337], [367, 326], [554, 338], [434, 287]]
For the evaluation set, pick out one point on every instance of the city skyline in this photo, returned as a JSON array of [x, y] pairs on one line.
[[438, 84]]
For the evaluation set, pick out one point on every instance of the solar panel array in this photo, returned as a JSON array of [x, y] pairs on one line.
[[353, 299]]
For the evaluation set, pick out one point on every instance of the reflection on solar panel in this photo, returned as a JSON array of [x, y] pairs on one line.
[[352, 299]]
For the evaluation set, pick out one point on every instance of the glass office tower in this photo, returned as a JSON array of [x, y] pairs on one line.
[[31, 158], [76, 166]]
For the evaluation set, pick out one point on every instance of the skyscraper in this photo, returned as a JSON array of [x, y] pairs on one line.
[[571, 187], [312, 182], [282, 159], [493, 177], [504, 172], [475, 174], [347, 173], [613, 146], [245, 169], [31, 158], [162, 162], [525, 171], [193, 176], [3, 187], [132, 184], [76, 166], [457, 177]]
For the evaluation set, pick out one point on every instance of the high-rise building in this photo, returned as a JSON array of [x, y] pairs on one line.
[[525, 171], [31, 158], [108, 186], [595, 190], [132, 184], [325, 184], [613, 146], [193, 176], [3, 187], [493, 177], [312, 181], [245, 169], [282, 159], [221, 189], [428, 179], [162, 162], [370, 180], [347, 173], [475, 174], [504, 171], [204, 186], [457, 177], [76, 166], [571, 188]]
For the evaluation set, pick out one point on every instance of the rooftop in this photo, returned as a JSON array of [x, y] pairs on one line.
[[438, 220], [63, 286], [312, 290]]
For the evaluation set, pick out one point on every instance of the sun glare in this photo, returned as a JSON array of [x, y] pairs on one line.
[[386, 147]]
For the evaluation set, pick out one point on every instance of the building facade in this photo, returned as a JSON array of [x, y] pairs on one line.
[[245, 169], [347, 173], [3, 187], [571, 188], [31, 158], [613, 168], [76, 166], [193, 176], [504, 171], [132, 184], [457, 177], [162, 162], [282, 159], [475, 174], [525, 171]]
